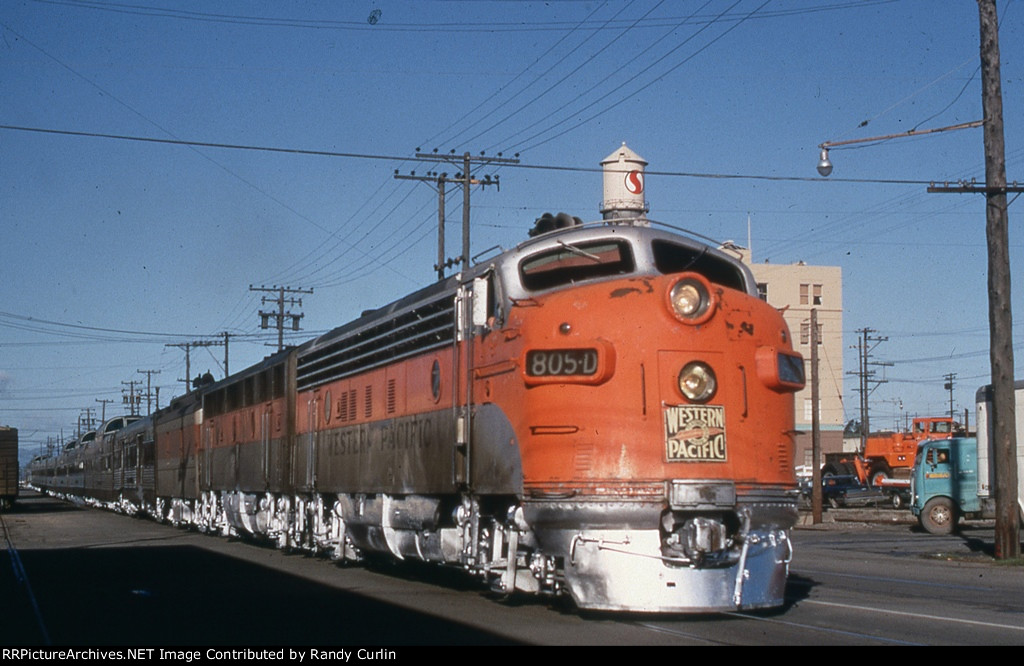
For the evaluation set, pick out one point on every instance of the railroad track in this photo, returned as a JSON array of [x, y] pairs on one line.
[[22, 581]]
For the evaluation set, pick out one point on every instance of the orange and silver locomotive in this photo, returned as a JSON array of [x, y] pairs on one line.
[[604, 411]]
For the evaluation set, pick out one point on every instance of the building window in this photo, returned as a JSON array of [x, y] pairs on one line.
[[762, 290], [809, 410], [810, 294], [805, 333]]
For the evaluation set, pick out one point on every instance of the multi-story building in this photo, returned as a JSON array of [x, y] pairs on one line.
[[796, 289]]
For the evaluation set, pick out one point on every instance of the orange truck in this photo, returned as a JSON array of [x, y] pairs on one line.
[[888, 457]]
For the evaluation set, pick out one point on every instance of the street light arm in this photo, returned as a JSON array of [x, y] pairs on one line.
[[832, 144], [825, 165]]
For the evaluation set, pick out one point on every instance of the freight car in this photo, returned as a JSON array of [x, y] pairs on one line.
[[605, 411], [8, 466]]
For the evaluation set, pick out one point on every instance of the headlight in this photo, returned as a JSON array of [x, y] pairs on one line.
[[697, 382], [691, 299]]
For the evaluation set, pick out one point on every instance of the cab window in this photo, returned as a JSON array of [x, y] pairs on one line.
[[575, 262], [674, 258]]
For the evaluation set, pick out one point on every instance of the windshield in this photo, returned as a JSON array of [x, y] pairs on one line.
[[575, 262], [673, 258]]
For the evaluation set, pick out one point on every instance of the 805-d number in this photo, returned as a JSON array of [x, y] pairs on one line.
[[561, 362]]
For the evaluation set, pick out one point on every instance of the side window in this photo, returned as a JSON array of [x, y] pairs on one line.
[[487, 305]]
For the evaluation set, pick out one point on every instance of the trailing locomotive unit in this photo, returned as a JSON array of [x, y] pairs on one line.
[[604, 411]]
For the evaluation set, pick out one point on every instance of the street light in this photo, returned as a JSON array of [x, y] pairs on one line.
[[825, 165]]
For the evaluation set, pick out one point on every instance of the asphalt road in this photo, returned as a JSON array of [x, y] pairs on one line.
[[98, 578]]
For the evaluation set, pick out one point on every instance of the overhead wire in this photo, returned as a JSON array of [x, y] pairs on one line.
[[624, 98], [458, 122], [579, 101], [193, 146], [587, 61], [386, 26]]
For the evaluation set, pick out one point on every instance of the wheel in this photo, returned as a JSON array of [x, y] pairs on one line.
[[878, 476], [897, 501], [939, 516]]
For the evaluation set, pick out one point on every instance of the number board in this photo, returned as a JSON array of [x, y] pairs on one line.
[[561, 362]]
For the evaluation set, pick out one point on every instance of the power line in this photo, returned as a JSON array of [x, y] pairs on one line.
[[650, 83], [542, 167], [37, 320], [280, 316], [366, 25], [515, 112], [529, 68], [581, 97]]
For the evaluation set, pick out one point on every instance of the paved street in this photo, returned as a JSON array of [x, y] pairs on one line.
[[103, 579]]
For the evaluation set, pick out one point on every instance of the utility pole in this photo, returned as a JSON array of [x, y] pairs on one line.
[[999, 309], [87, 419], [281, 315], [464, 178], [104, 411], [131, 398], [187, 346], [867, 381], [815, 424], [441, 179], [226, 336], [149, 388], [1002, 415], [949, 387]]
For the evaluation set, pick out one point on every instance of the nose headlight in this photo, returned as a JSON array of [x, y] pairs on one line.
[[697, 382], [691, 299]]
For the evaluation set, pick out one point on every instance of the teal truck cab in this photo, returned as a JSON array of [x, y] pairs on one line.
[[953, 478], [944, 484]]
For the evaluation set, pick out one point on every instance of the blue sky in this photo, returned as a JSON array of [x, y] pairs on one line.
[[113, 249]]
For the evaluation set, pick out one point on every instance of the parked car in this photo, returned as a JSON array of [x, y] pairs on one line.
[[847, 491]]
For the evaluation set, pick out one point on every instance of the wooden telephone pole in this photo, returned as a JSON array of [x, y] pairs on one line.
[[1002, 415], [466, 180]]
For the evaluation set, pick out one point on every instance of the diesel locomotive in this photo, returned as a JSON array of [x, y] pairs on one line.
[[604, 411]]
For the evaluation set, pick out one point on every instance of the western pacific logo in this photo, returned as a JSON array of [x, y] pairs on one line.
[[694, 433]]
